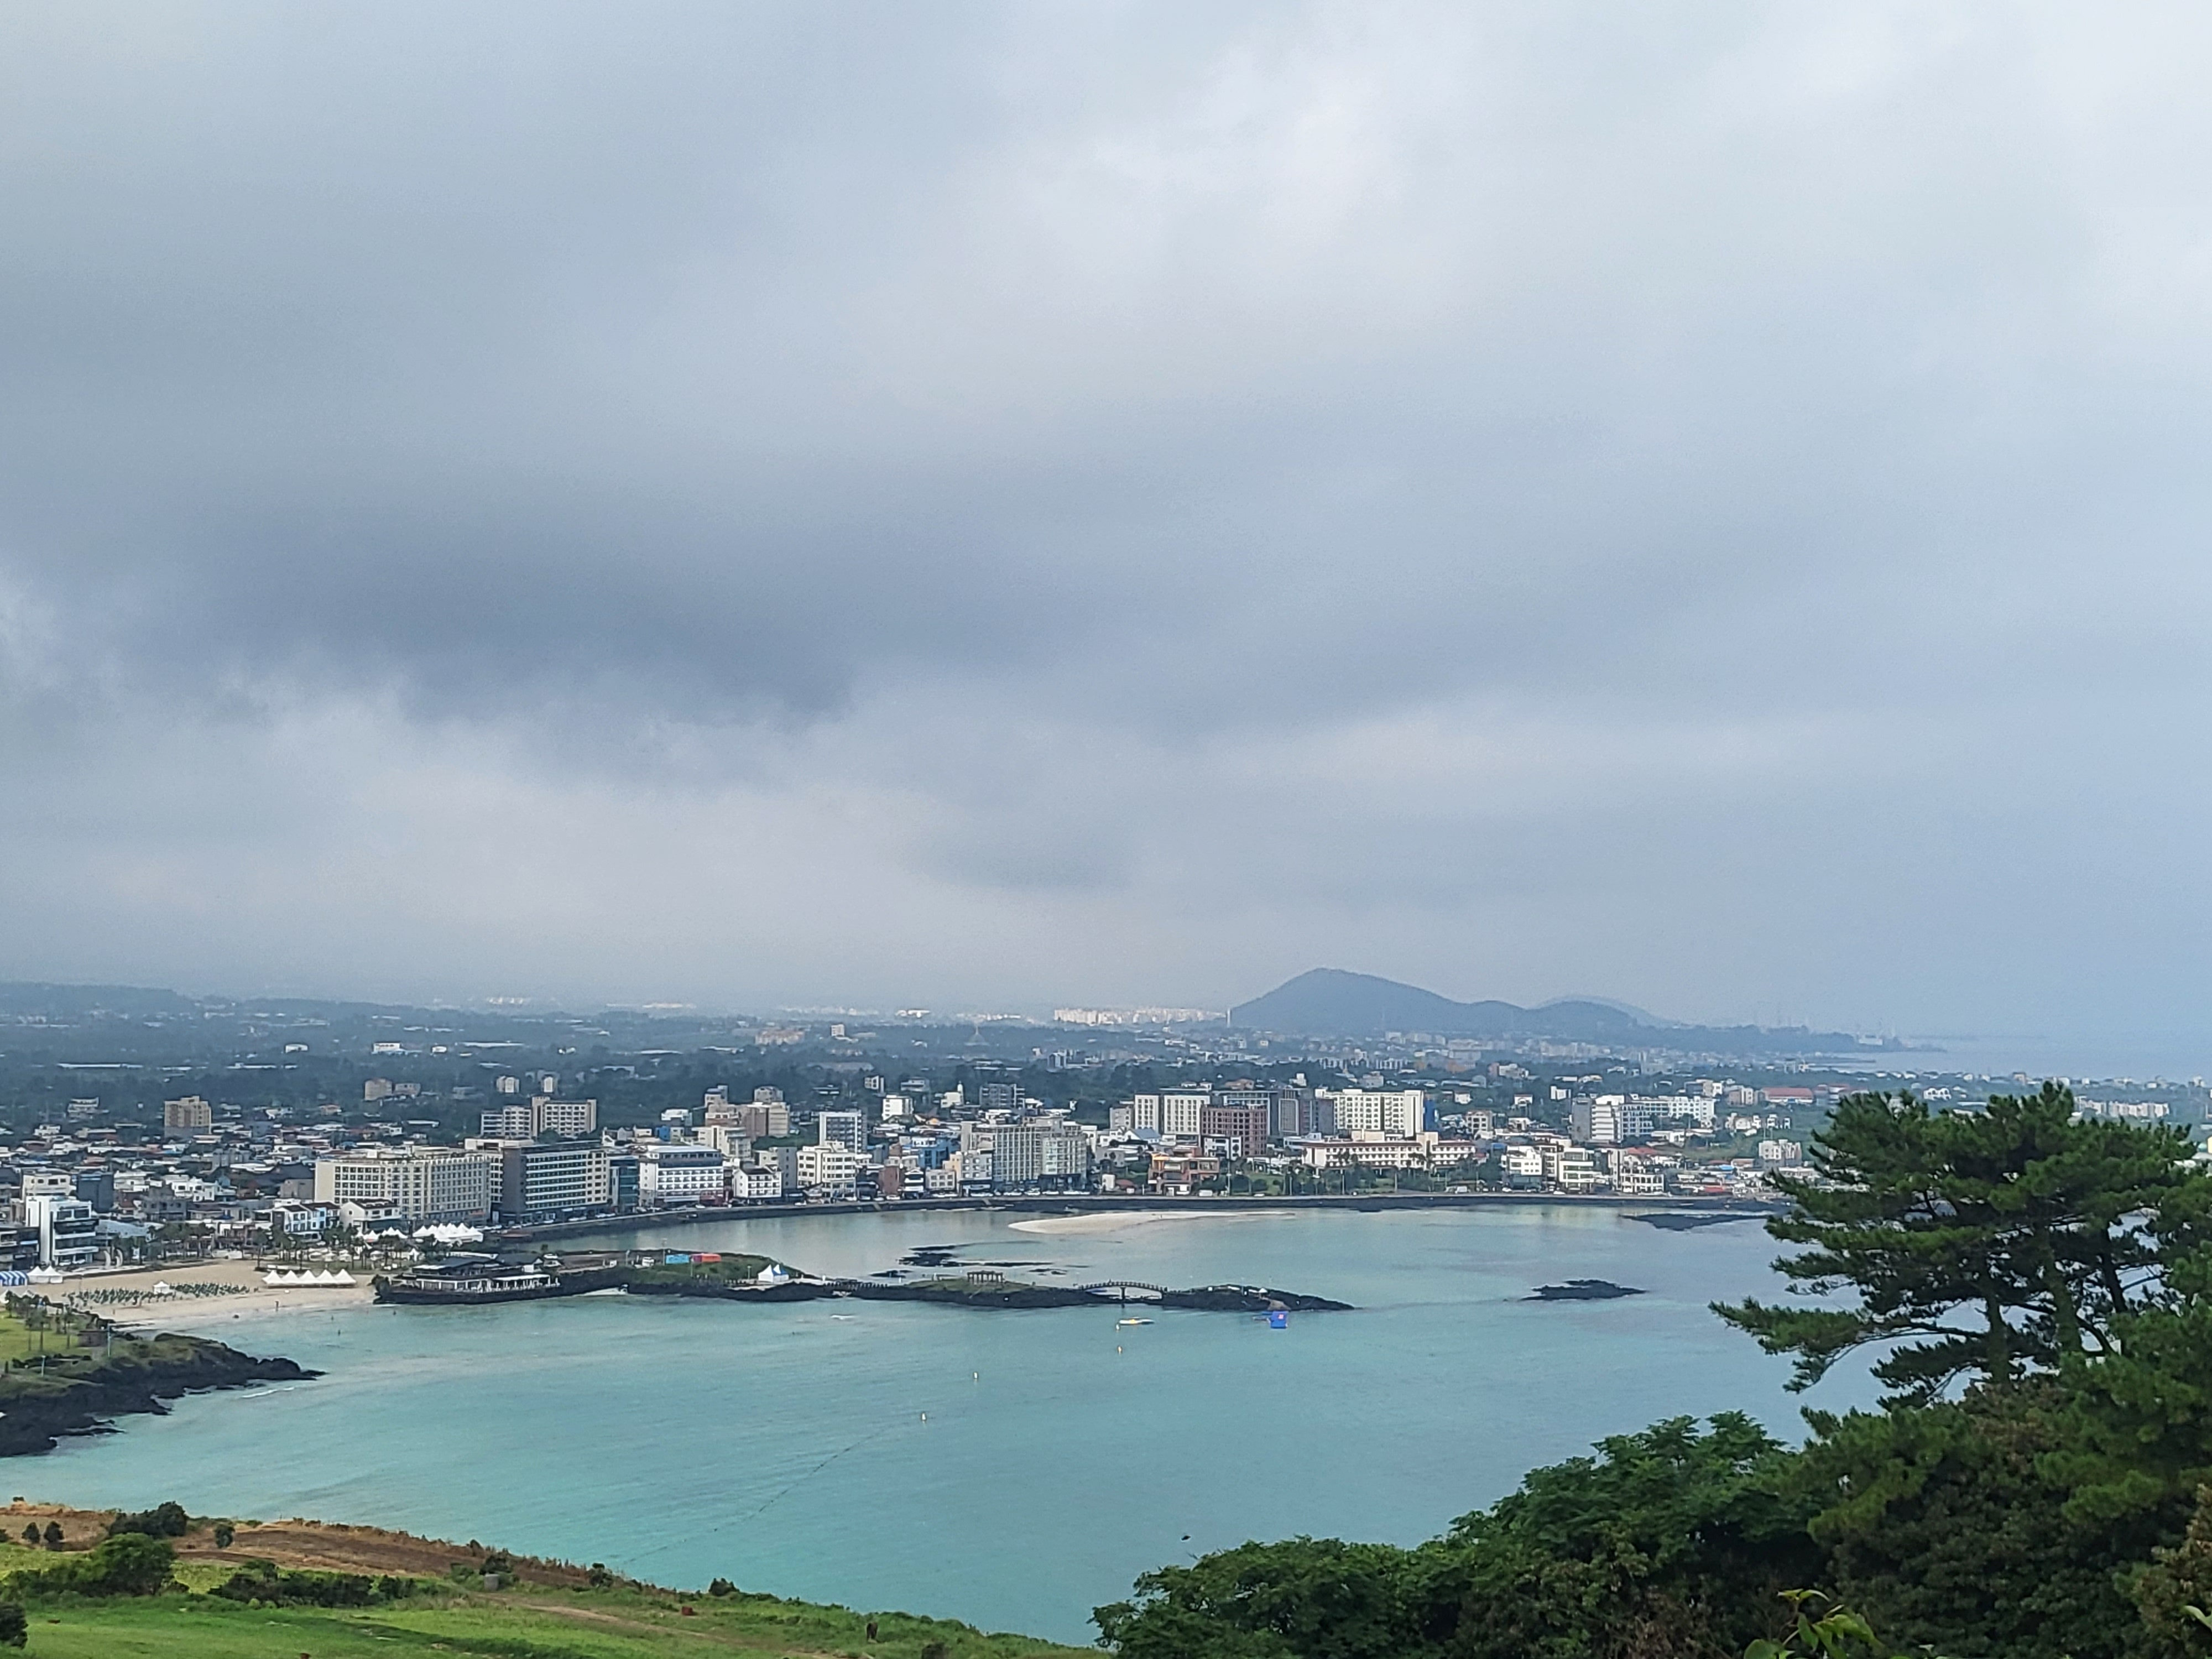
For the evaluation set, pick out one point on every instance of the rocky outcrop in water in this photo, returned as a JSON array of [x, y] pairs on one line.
[[80, 1393], [1581, 1289]]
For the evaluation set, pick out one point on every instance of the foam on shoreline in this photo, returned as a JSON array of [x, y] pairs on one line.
[[1114, 1221]]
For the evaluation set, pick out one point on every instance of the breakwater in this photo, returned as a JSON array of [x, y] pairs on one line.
[[1677, 1207], [709, 1282], [1204, 1298]]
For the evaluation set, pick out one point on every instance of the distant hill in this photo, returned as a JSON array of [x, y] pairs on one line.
[[20, 998], [1329, 1002]]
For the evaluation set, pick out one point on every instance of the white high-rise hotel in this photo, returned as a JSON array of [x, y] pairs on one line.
[[1397, 1113], [1177, 1114]]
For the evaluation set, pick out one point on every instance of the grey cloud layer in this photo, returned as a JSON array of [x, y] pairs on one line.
[[1126, 503]]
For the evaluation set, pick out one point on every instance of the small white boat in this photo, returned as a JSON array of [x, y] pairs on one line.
[[1132, 1321]]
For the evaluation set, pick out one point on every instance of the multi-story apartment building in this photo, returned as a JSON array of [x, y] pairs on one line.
[[567, 1117], [1643, 1113], [1177, 1114], [622, 1181], [830, 1166], [1596, 1119], [1607, 1120], [422, 1184], [1291, 1112], [553, 1178], [1571, 1169], [1399, 1112], [523, 1120], [761, 1120], [515, 1120], [1239, 1120], [1422, 1151], [845, 1129], [190, 1113], [754, 1183], [1522, 1165], [1030, 1154], [1635, 1172], [727, 1139], [68, 1229], [668, 1173]]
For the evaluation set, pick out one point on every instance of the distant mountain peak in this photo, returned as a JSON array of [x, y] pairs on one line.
[[1336, 1002]]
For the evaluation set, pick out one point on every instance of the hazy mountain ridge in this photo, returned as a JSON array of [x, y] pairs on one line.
[[1332, 1002]]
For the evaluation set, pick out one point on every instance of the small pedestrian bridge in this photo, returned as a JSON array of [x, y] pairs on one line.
[[1125, 1290]]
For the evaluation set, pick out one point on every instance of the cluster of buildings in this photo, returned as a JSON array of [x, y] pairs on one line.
[[1624, 1143], [81, 1196]]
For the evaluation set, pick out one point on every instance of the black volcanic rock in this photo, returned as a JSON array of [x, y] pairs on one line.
[[81, 1395], [1581, 1289]]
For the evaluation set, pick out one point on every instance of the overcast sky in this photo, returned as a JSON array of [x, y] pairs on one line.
[[992, 506]]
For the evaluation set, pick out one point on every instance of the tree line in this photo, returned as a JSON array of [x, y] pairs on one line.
[[2034, 1293]]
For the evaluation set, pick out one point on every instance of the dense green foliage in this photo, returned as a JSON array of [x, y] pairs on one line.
[[1312, 1598], [2035, 1292], [1670, 1542], [1952, 1524], [162, 1521], [1992, 1242], [129, 1563], [266, 1583]]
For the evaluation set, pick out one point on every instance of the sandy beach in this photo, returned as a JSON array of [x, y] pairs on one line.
[[1114, 1221], [251, 1300]]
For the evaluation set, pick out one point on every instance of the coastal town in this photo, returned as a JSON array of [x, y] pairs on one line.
[[143, 1129], [222, 1176]]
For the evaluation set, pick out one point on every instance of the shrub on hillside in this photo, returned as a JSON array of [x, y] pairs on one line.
[[267, 1582], [129, 1563], [162, 1521], [1668, 1541], [1303, 1598], [1951, 1526]]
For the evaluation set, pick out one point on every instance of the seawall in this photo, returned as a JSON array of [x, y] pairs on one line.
[[1108, 1203]]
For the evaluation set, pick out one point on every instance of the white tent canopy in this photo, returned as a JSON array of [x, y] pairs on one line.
[[448, 1232]]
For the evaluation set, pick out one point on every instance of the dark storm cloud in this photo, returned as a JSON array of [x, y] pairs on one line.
[[1528, 498]]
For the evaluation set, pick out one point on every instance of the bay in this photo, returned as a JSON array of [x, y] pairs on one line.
[[1013, 1469]]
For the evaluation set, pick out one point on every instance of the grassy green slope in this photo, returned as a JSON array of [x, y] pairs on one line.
[[529, 1624]]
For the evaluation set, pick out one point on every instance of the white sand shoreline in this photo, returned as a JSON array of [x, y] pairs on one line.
[[249, 1298], [1113, 1221]]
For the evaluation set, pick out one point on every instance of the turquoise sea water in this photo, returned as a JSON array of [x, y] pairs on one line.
[[1011, 1469]]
